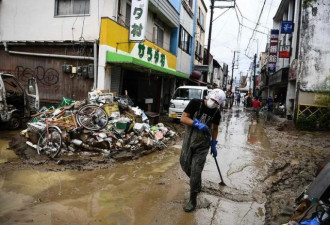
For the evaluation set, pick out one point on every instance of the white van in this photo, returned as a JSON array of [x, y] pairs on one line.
[[182, 97]]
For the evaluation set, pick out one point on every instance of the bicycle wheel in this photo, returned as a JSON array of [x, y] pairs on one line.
[[50, 142], [92, 117]]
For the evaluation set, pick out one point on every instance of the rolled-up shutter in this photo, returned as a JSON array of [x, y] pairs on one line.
[[115, 79]]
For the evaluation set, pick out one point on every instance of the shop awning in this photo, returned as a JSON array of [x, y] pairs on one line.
[[280, 77], [116, 58]]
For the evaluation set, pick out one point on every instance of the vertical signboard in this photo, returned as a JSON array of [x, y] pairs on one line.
[[273, 48], [138, 24]]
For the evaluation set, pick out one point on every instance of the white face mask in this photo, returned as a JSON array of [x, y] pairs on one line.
[[211, 104]]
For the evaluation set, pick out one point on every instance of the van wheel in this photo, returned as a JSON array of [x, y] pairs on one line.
[[15, 122]]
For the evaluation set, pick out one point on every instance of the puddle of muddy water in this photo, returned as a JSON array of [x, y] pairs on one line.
[[241, 145], [144, 191], [135, 192]]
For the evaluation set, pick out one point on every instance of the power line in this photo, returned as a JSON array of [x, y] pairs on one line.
[[253, 34], [220, 15], [248, 18]]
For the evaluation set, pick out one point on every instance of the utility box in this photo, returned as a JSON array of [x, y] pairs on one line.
[[84, 71], [79, 71], [66, 68], [91, 71]]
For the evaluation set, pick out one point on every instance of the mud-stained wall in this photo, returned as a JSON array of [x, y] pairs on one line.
[[52, 82], [315, 47]]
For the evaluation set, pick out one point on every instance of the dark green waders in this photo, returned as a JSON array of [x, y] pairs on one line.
[[193, 156]]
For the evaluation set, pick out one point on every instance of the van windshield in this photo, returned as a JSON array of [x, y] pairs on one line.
[[187, 94]]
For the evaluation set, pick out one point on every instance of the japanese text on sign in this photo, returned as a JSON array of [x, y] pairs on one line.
[[152, 55], [138, 24], [273, 49]]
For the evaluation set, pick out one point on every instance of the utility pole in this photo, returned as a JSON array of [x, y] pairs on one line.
[[209, 39], [210, 28], [254, 74], [232, 72]]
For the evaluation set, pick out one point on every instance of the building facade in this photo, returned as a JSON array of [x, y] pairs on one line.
[[74, 46], [297, 66]]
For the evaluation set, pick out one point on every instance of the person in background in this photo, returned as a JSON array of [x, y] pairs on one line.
[[270, 104], [256, 105], [249, 100], [202, 118], [238, 98]]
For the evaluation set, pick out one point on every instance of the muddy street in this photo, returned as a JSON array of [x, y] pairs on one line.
[[153, 189]]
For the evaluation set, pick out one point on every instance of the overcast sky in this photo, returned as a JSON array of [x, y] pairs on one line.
[[225, 31]]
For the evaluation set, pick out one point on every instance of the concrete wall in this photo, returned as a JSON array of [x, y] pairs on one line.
[[200, 31], [36, 20], [314, 60], [183, 62], [184, 59]]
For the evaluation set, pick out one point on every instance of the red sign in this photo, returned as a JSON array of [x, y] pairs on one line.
[[284, 51], [284, 54]]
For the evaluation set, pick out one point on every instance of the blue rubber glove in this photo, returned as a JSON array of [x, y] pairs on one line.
[[214, 148], [201, 126]]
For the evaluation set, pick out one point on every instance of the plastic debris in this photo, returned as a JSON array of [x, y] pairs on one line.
[[127, 128]]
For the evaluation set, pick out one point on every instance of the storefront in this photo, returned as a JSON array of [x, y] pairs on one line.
[[143, 70], [278, 85]]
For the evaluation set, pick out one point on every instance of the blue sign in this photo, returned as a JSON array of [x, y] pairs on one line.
[[286, 27], [274, 32]]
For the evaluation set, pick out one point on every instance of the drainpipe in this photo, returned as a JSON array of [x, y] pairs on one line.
[[47, 55], [95, 64], [295, 116]]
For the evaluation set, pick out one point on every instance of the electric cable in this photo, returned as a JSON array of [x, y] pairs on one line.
[[220, 15], [83, 25], [253, 34], [236, 6]]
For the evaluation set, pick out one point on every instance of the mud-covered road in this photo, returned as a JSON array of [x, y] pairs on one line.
[[264, 166]]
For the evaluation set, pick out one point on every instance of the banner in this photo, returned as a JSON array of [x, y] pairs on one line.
[[138, 24]]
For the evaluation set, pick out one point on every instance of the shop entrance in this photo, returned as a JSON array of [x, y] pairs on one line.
[[140, 86]]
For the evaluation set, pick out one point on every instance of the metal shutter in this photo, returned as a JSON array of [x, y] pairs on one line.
[[115, 79]]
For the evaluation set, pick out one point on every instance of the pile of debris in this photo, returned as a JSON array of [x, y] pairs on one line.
[[102, 125]]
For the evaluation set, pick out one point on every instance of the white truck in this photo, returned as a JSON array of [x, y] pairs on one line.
[[182, 97]]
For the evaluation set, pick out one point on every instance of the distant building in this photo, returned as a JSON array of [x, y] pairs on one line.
[[298, 65]]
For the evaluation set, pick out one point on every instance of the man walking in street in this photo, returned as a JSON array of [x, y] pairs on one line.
[[202, 118], [256, 105]]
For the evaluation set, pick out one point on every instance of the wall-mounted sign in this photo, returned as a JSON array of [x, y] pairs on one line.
[[138, 24], [272, 59], [151, 55], [284, 51], [286, 27]]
